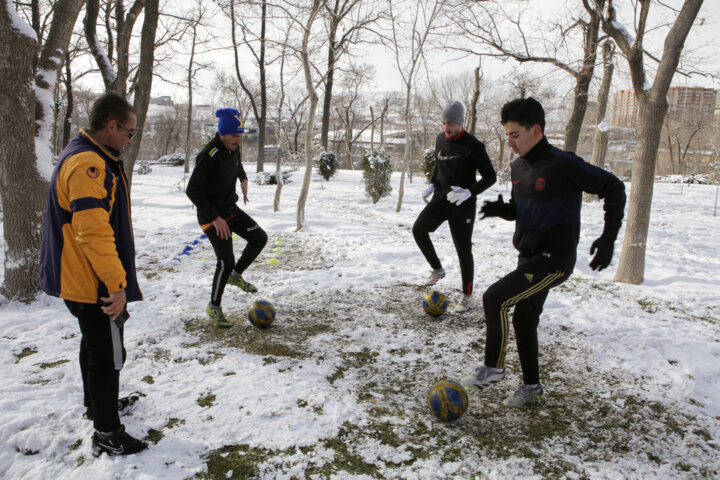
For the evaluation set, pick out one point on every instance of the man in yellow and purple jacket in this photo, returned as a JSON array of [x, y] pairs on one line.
[[88, 259]]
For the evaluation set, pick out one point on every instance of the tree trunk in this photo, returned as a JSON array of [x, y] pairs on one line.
[[472, 116], [406, 155], [262, 121], [631, 266], [143, 85], [600, 140], [652, 109], [67, 121], [23, 190], [327, 96], [188, 129], [311, 115]]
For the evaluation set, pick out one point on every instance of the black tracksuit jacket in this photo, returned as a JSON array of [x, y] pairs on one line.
[[457, 161], [212, 184], [547, 186]]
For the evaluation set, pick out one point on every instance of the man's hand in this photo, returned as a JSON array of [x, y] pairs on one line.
[[221, 227], [428, 191], [458, 195], [114, 303], [244, 187], [604, 254], [493, 209]]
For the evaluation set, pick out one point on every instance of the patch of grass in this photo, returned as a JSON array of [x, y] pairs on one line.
[[75, 445], [648, 305], [45, 366], [206, 401], [242, 460], [26, 352], [148, 379]]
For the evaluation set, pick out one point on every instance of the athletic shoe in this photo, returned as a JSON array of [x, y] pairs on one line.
[[435, 275], [123, 403], [116, 443], [465, 304], [483, 377], [218, 318], [240, 282], [523, 395]]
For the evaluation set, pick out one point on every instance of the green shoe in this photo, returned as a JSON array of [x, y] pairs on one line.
[[217, 316], [240, 282]]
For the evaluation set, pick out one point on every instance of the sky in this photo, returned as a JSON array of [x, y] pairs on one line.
[[705, 41], [339, 381]]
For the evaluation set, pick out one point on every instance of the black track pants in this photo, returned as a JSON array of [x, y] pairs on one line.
[[526, 288], [243, 225], [102, 356], [461, 220]]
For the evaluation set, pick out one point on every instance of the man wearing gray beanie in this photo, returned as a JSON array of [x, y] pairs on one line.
[[454, 188]]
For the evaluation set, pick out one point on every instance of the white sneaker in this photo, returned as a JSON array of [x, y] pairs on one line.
[[523, 395], [465, 303], [483, 376], [435, 275]]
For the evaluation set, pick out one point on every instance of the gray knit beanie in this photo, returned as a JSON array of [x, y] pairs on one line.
[[454, 113]]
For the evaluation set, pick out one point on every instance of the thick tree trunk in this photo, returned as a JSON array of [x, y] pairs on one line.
[[22, 189], [631, 266]]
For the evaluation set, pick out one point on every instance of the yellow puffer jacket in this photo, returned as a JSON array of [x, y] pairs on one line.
[[88, 248]]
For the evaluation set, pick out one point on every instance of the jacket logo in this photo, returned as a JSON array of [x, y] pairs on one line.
[[540, 184], [93, 172]]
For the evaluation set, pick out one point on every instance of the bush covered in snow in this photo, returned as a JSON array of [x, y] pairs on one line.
[[377, 169], [270, 178], [173, 160], [143, 168], [327, 164], [428, 163]]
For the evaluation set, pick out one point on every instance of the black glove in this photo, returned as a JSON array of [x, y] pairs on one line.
[[494, 209], [604, 253]]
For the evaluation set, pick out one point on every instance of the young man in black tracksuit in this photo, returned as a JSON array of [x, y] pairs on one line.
[[454, 186], [212, 189], [547, 187]]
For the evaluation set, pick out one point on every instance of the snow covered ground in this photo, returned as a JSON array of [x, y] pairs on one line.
[[336, 388]]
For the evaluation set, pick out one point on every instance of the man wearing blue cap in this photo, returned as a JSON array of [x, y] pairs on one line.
[[211, 188]]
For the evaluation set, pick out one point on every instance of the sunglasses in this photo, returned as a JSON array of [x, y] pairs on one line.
[[131, 133]]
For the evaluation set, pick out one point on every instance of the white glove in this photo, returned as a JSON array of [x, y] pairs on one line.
[[458, 195], [428, 191]]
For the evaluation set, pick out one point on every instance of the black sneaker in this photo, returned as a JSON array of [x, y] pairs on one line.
[[123, 404], [118, 442]]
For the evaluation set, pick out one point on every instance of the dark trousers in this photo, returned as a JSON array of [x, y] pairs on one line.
[[526, 288], [102, 356], [244, 226], [461, 219]]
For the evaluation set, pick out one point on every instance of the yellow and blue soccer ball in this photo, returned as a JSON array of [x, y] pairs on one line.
[[261, 314], [447, 400], [435, 303]]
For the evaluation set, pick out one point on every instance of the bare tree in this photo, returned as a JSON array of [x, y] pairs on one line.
[[350, 105], [486, 23], [306, 22], [653, 105], [30, 65], [117, 77], [409, 35], [346, 21], [254, 42], [195, 21]]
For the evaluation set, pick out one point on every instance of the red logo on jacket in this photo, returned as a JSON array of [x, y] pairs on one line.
[[540, 184]]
